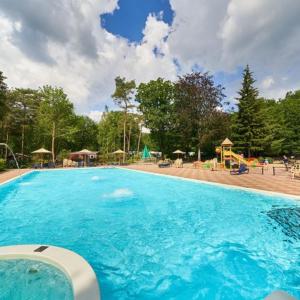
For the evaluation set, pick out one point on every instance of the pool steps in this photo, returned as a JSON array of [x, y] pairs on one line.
[[280, 295]]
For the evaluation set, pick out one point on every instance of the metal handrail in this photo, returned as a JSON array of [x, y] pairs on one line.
[[4, 144]]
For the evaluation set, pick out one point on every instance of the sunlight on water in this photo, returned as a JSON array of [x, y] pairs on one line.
[[119, 193], [25, 183]]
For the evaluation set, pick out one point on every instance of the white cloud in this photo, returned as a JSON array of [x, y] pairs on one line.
[[61, 42], [268, 82], [74, 52], [225, 35], [95, 115]]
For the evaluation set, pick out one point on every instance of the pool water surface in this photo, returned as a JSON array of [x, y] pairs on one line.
[[155, 237], [22, 279]]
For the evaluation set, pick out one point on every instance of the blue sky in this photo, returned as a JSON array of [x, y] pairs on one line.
[[82, 46], [129, 20]]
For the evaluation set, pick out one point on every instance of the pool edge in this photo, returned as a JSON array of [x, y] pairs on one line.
[[237, 187], [16, 177], [76, 268]]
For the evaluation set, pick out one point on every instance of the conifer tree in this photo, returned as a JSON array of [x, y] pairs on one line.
[[247, 123]]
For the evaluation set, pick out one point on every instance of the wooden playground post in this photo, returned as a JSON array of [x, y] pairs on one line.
[[226, 146]]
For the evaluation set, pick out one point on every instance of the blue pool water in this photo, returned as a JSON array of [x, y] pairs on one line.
[[22, 279], [154, 237]]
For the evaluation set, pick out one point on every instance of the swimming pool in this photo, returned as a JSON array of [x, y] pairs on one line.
[[154, 237], [34, 280]]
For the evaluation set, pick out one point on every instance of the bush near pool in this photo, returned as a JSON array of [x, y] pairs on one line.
[[2, 165]]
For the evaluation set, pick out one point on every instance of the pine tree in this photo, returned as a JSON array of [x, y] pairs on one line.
[[247, 124]]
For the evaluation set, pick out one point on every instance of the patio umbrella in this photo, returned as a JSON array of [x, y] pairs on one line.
[[41, 152], [85, 153], [119, 152], [178, 152], [146, 153]]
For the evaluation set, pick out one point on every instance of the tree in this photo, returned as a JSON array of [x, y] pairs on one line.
[[290, 108], [3, 107], [197, 101], [86, 133], [273, 126], [56, 116], [155, 100], [23, 104], [123, 96], [3, 95], [111, 131], [140, 122], [247, 126]]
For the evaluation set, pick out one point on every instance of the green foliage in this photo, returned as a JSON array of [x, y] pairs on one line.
[[197, 103], [29, 118], [110, 133], [122, 97], [85, 133], [55, 118], [110, 136], [55, 110], [247, 125], [187, 114], [2, 165], [3, 95], [23, 106], [124, 92], [155, 100], [63, 154], [281, 125], [290, 107]]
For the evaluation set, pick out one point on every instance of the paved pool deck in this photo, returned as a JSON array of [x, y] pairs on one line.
[[280, 183], [10, 174]]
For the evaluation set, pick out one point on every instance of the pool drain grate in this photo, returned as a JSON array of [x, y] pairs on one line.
[[41, 249]]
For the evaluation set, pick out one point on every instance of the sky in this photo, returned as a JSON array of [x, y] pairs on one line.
[[82, 46]]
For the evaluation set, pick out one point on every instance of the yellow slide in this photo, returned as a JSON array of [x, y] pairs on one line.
[[236, 156]]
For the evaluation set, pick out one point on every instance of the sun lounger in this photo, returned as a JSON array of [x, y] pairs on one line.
[[51, 164], [295, 171], [164, 165], [65, 163], [243, 169], [197, 164], [178, 163]]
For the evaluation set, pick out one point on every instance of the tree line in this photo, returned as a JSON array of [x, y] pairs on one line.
[[190, 114]]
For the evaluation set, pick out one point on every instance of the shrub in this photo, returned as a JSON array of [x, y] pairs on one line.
[[2, 165], [63, 154], [270, 160], [261, 159]]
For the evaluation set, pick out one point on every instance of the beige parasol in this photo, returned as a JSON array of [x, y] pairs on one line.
[[119, 153], [178, 152], [41, 152]]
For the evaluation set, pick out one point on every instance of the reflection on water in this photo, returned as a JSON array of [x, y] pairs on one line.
[[288, 219]]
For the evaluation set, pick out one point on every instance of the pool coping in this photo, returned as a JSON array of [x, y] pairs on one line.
[[76, 268], [16, 177], [236, 187]]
